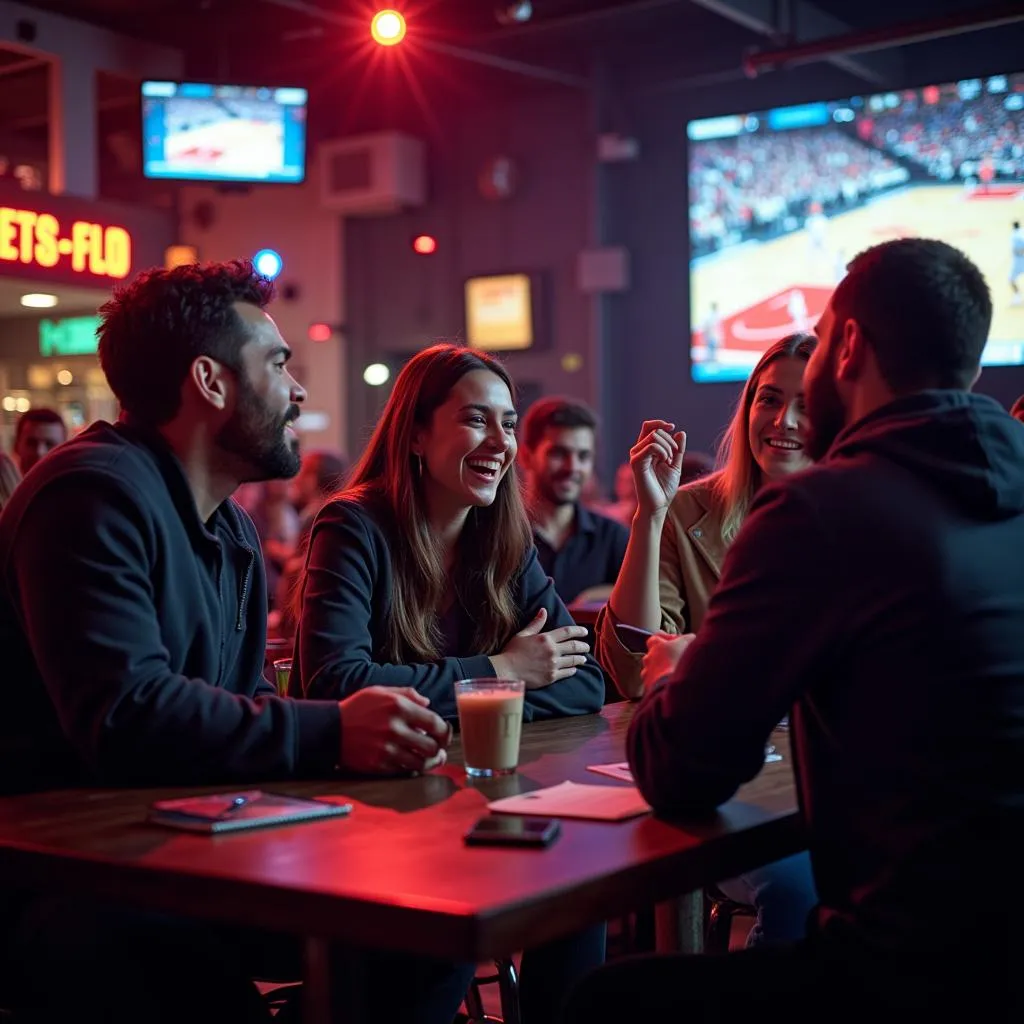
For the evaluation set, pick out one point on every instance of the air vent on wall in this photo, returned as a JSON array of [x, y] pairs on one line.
[[370, 175]]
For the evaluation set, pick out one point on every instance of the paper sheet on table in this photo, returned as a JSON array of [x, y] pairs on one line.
[[619, 770], [571, 800]]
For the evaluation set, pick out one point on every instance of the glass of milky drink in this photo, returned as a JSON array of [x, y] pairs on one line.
[[491, 722]]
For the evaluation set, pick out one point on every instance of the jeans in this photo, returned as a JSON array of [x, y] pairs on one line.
[[70, 960], [783, 895]]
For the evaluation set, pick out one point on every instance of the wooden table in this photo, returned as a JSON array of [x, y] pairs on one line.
[[396, 874]]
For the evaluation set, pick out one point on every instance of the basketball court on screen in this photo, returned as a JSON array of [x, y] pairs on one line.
[[233, 145], [765, 290]]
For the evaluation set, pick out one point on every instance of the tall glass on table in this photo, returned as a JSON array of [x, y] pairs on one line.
[[491, 724]]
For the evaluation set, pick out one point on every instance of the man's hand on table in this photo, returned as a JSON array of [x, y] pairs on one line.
[[390, 731]]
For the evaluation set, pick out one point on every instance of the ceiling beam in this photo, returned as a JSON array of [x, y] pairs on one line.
[[976, 20], [803, 22]]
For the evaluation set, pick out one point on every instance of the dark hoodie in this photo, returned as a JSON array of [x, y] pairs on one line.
[[881, 595], [133, 633]]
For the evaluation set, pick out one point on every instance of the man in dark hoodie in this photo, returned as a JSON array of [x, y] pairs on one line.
[[880, 596], [133, 622]]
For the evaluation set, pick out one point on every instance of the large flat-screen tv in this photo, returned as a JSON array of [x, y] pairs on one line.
[[197, 132], [781, 200]]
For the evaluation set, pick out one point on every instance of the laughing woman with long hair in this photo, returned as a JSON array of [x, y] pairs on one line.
[[422, 571]]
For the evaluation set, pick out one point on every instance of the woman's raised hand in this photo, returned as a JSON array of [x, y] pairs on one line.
[[657, 463]]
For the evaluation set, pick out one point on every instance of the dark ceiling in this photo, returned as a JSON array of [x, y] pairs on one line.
[[457, 51], [460, 51], [233, 37], [180, 22], [308, 41]]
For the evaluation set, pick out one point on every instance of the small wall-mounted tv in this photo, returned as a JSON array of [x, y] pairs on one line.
[[501, 312], [202, 132], [781, 200]]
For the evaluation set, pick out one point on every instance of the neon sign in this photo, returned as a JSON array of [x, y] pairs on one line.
[[72, 336], [39, 240]]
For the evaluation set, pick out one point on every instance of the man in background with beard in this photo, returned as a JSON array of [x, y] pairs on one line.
[[133, 623], [879, 598], [577, 547]]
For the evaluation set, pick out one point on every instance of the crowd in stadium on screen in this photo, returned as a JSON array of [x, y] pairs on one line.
[[762, 185], [184, 114], [952, 140], [765, 184]]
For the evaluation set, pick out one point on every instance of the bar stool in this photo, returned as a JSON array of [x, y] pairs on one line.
[[507, 978], [721, 911]]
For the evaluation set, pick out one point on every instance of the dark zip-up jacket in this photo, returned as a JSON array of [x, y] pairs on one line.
[[133, 633]]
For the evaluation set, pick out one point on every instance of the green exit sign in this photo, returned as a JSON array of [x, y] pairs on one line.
[[73, 336]]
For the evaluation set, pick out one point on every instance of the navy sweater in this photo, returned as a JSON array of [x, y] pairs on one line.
[[346, 602], [134, 633]]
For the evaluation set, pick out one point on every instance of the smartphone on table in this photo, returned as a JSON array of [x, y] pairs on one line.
[[513, 830]]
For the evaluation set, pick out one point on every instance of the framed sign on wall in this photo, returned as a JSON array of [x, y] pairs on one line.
[[502, 312]]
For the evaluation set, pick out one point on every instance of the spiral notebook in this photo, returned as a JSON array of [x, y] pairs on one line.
[[235, 812]]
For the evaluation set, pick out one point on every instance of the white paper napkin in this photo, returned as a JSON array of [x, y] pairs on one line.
[[619, 770], [571, 800]]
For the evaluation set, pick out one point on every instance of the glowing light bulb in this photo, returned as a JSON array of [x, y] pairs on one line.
[[376, 374], [268, 262], [387, 28]]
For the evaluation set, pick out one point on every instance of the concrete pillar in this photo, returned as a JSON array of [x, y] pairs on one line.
[[73, 136]]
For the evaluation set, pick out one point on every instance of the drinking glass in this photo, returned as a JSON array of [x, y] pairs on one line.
[[282, 675], [491, 723]]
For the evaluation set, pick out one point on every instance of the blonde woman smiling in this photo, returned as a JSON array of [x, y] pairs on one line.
[[674, 559]]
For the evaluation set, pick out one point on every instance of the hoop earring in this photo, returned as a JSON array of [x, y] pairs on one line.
[[418, 465]]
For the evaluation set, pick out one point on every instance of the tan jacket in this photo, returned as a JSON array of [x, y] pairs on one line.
[[690, 564]]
